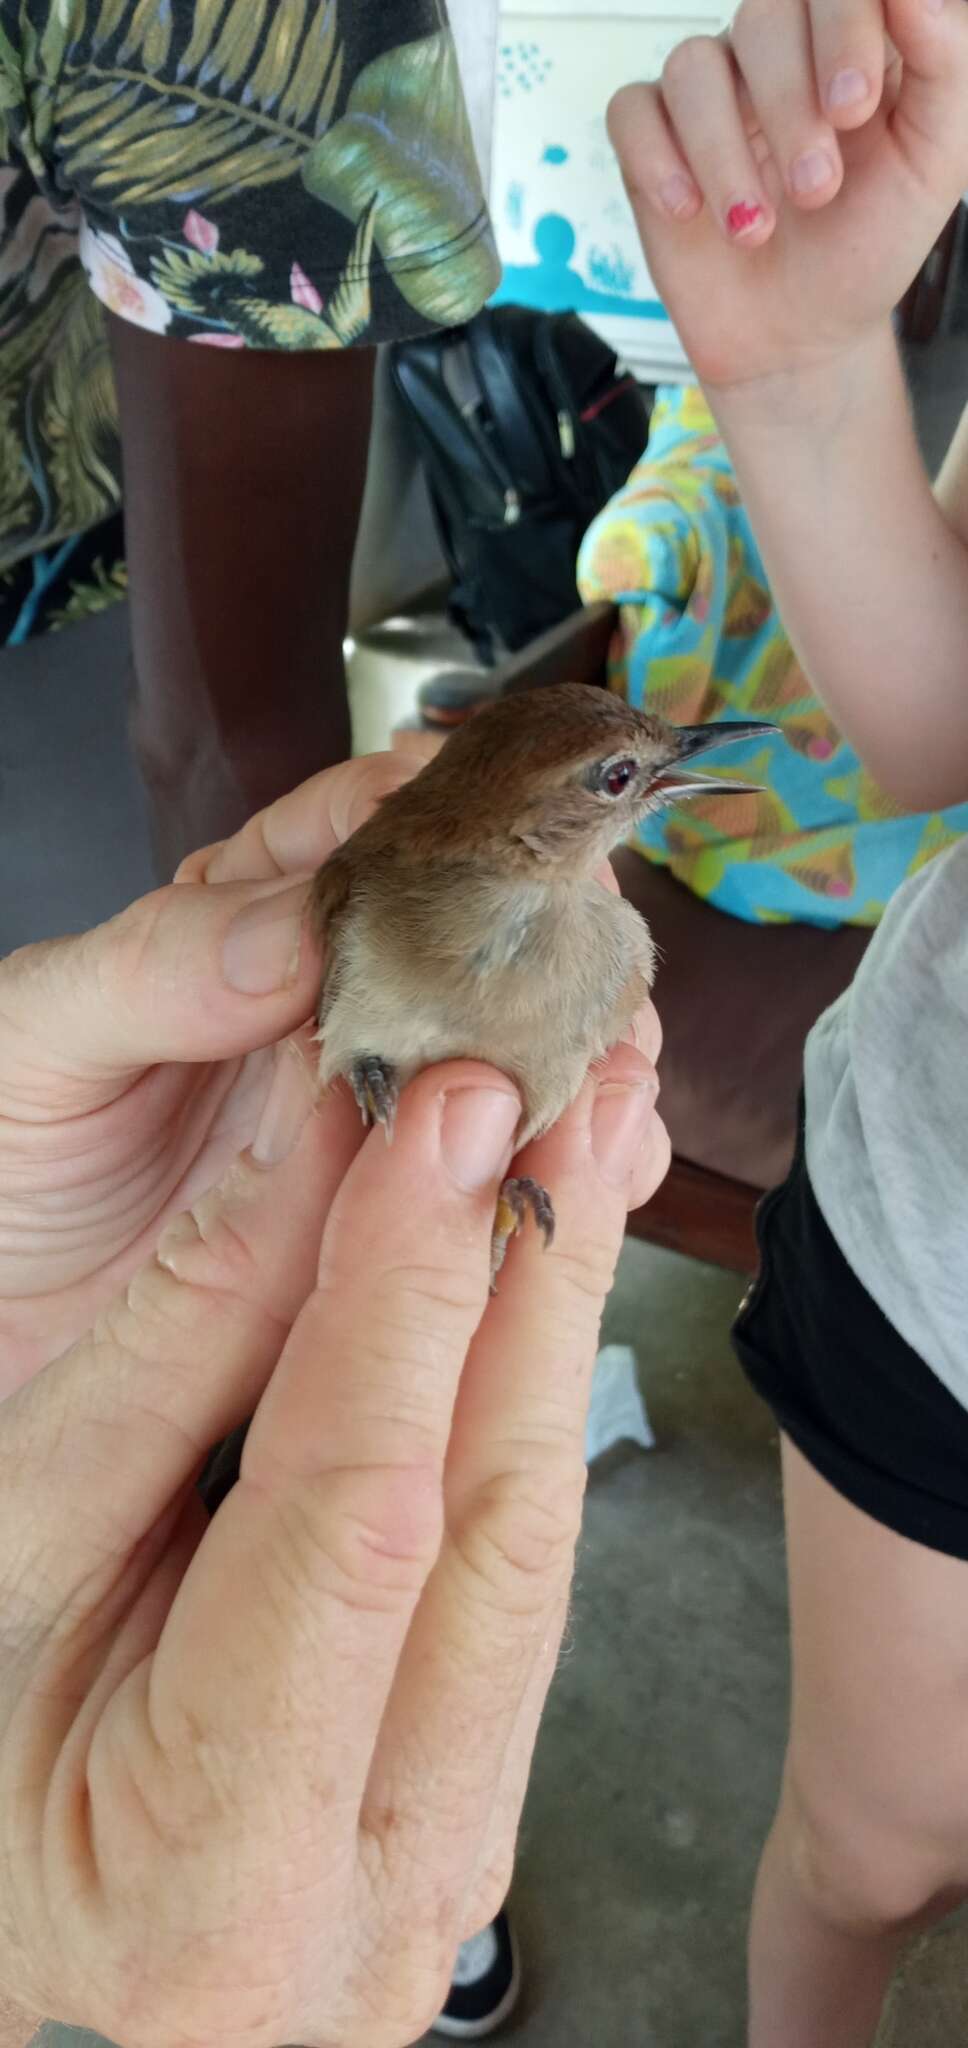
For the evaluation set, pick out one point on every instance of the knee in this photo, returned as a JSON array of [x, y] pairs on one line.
[[864, 1873]]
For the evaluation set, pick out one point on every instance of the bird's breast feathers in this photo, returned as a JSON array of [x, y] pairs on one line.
[[494, 976]]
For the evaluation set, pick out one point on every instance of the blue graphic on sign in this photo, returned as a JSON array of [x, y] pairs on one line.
[[553, 284]]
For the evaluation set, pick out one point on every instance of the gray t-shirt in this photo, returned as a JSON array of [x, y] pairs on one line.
[[887, 1117]]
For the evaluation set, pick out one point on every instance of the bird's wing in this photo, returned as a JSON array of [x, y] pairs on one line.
[[328, 901]]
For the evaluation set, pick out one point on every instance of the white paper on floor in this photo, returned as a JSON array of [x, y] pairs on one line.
[[616, 1413]]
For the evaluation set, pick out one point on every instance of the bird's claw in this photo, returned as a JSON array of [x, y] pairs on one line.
[[374, 1084], [517, 1197]]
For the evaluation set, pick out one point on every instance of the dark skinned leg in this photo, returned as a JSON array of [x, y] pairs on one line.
[[243, 476]]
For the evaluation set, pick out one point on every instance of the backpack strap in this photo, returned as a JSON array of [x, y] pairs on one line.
[[528, 455]]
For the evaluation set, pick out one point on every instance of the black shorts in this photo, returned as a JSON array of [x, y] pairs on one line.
[[863, 1408]]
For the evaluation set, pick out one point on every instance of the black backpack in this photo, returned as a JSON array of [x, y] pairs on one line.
[[526, 424]]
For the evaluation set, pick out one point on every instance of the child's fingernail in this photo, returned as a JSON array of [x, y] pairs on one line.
[[812, 172], [847, 89], [285, 1111], [934, 6], [679, 195], [476, 1133], [619, 1120], [262, 945], [743, 216]]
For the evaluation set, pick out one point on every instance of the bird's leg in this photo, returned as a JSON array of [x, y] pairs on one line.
[[515, 1199], [374, 1083]]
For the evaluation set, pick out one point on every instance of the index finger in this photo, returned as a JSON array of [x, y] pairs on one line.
[[297, 833], [335, 1520], [850, 54], [487, 1627]]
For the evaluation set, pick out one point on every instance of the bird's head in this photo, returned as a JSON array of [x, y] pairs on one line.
[[560, 776]]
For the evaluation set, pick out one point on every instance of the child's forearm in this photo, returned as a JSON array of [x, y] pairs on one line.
[[869, 569]]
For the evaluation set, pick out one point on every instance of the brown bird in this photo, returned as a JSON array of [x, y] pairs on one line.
[[464, 919]]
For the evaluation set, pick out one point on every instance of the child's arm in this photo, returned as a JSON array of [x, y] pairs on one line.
[[869, 567], [781, 284]]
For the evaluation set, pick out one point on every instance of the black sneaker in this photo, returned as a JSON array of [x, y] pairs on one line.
[[486, 1983]]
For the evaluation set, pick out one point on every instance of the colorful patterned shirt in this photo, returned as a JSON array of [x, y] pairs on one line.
[[281, 174], [700, 641]]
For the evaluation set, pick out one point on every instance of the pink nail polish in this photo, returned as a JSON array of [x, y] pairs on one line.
[[743, 216]]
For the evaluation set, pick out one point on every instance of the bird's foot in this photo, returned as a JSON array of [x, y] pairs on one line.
[[374, 1083], [515, 1200]]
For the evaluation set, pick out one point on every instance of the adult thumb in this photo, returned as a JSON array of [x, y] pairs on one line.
[[189, 973]]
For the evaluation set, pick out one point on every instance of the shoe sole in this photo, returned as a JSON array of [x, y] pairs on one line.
[[478, 2030]]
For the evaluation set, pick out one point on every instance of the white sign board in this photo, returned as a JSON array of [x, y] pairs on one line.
[[564, 226]]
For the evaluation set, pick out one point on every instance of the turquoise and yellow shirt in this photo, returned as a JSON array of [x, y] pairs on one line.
[[700, 641]]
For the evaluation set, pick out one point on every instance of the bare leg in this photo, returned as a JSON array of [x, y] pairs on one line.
[[871, 1837], [810, 1980]]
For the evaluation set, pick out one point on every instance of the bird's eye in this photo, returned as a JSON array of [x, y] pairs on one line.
[[614, 776]]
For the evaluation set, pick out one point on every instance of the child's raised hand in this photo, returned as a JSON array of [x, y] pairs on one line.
[[790, 177]]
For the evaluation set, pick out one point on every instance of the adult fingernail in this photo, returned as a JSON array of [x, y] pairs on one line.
[[847, 89], [182, 1230], [678, 195], [285, 1111], [476, 1133], [211, 872], [619, 1121], [263, 942], [812, 172]]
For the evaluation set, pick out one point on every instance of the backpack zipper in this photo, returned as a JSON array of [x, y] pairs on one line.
[[474, 412], [548, 364]]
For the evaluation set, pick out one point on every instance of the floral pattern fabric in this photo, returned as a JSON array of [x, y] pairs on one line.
[[700, 642], [280, 174]]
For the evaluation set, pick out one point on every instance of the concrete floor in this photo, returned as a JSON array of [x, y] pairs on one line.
[[658, 1762]]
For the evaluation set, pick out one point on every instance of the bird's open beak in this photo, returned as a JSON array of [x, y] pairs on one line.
[[701, 739]]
